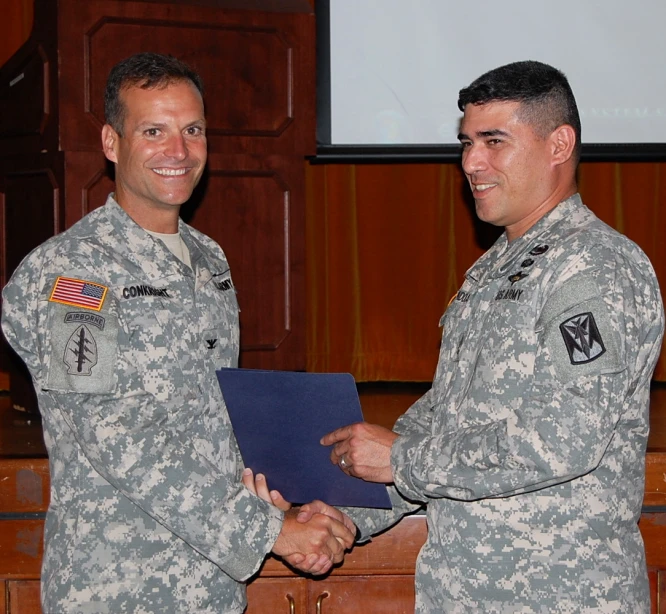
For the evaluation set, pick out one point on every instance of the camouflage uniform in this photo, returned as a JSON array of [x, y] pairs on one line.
[[147, 510], [529, 448]]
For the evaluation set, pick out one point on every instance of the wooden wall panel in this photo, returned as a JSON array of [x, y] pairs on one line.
[[258, 68], [22, 548], [24, 105], [23, 597], [30, 190], [87, 183], [249, 209], [29, 89]]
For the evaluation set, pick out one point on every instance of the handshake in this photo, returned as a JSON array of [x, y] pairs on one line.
[[316, 535], [313, 537]]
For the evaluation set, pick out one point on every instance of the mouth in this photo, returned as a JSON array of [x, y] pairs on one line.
[[171, 172], [479, 189]]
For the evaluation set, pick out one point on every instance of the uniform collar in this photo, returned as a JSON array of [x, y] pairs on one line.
[[133, 243], [504, 258]]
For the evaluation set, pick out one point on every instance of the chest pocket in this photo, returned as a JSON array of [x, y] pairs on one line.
[[156, 338]]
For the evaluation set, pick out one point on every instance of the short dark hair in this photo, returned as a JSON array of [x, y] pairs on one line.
[[546, 98], [144, 70]]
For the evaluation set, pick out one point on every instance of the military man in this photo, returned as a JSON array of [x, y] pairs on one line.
[[115, 318], [528, 450]]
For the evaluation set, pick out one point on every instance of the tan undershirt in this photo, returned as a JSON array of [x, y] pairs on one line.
[[175, 244]]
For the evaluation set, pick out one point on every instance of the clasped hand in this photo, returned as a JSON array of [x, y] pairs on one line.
[[313, 537]]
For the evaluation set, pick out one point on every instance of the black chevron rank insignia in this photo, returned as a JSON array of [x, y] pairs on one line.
[[582, 338]]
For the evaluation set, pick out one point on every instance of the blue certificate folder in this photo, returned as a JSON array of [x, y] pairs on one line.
[[278, 419]]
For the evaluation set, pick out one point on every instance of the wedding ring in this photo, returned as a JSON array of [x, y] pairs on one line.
[[343, 463]]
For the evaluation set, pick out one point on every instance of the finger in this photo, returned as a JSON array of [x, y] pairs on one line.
[[313, 563], [336, 435], [350, 524], [322, 566], [297, 559], [338, 451], [320, 507], [305, 513], [248, 480], [345, 536], [279, 501], [261, 487], [332, 512]]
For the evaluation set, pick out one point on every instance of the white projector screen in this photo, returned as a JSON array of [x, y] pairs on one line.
[[389, 71]]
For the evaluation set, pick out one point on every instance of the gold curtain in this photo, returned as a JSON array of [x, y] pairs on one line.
[[388, 245]]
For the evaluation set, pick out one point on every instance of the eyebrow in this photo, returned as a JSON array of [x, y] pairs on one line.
[[484, 134], [149, 124]]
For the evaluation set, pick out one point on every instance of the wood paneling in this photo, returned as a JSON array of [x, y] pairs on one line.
[[258, 68], [23, 597]]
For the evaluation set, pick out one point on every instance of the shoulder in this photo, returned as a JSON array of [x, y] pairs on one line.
[[594, 245]]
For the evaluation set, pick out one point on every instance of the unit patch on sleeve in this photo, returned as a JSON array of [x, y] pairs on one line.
[[576, 327], [78, 293], [80, 352], [82, 349], [582, 339]]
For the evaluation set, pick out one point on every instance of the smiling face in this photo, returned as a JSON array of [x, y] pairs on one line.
[[516, 176], [161, 154]]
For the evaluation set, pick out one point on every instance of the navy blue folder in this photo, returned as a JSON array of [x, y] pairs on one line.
[[279, 417]]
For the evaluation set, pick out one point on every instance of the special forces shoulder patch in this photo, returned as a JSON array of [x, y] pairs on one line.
[[80, 352], [582, 338], [82, 349], [78, 293]]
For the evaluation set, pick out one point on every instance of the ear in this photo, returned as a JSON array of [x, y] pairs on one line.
[[110, 143], [563, 143]]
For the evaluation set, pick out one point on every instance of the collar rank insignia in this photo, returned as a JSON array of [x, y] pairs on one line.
[[538, 250], [517, 277], [80, 352], [582, 338], [78, 293]]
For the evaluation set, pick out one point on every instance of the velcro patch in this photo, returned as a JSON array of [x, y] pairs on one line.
[[581, 344], [82, 350], [582, 339], [78, 293]]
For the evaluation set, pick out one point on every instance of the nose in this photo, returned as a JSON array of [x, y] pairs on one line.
[[473, 159], [176, 147]]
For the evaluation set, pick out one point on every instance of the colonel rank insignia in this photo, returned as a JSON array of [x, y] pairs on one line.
[[582, 338]]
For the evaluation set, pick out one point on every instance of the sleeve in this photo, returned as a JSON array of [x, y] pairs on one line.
[[598, 337], [370, 521], [141, 448]]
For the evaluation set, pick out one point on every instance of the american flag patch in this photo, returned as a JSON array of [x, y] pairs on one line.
[[78, 293]]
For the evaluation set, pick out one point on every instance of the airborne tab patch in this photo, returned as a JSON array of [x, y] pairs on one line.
[[582, 338], [78, 293]]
